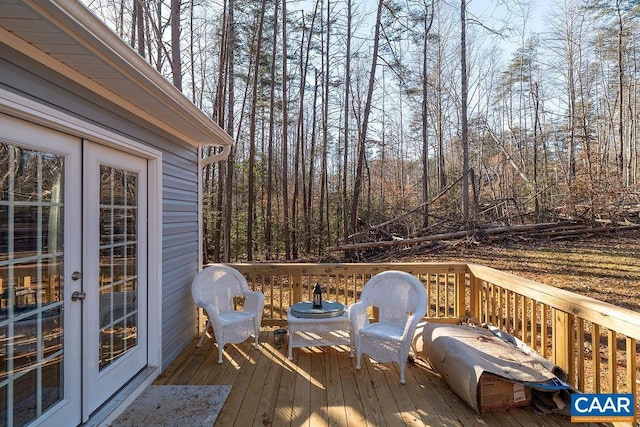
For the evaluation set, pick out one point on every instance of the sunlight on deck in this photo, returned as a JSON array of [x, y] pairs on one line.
[[321, 386]]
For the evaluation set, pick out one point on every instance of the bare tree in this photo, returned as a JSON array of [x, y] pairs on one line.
[[463, 114], [176, 58], [257, 46], [347, 114], [229, 127], [285, 138], [426, 21], [325, 61], [362, 136], [270, 158]]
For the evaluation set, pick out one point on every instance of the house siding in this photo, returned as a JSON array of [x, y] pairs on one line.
[[20, 75]]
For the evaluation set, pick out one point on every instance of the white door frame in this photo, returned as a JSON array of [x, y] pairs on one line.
[[27, 109]]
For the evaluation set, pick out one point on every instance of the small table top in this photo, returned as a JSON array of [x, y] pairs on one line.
[[305, 310]]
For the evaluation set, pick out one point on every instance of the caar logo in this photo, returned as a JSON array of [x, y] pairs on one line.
[[602, 408]]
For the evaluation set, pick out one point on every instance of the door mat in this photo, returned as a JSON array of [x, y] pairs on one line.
[[175, 405]]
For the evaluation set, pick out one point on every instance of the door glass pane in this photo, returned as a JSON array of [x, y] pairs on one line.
[[118, 314], [31, 266]]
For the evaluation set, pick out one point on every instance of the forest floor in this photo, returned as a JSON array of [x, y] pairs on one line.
[[604, 267]]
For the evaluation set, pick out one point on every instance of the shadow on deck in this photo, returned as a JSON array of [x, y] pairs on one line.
[[321, 386]]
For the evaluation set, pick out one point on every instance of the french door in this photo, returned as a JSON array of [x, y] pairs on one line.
[[114, 272], [40, 328], [73, 274]]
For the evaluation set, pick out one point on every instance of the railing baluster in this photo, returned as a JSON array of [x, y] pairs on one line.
[[459, 296], [534, 323], [499, 308], [272, 280], [597, 368], [508, 307], [580, 350], [487, 302], [438, 305], [494, 305], [516, 306], [544, 340], [524, 318], [447, 289], [632, 386], [613, 361]]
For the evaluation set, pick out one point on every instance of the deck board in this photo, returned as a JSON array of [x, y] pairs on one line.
[[352, 403], [269, 393], [244, 367], [384, 394], [321, 387], [283, 413], [336, 410], [406, 407], [370, 404], [424, 408], [251, 402], [302, 391], [318, 398]]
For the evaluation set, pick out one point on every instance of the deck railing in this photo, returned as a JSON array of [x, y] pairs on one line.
[[596, 343]]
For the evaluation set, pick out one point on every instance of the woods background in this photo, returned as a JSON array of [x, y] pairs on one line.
[[359, 121]]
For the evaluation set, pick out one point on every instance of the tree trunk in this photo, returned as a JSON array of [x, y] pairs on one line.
[[229, 128], [285, 138], [621, 164], [345, 148], [536, 124], [137, 30], [220, 231], [427, 22], [324, 199], [312, 155], [257, 45], [176, 60], [357, 186], [268, 231], [192, 63], [300, 132], [463, 115]]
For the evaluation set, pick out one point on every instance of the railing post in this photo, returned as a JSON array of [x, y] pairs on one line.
[[474, 297], [296, 286], [460, 306], [564, 341], [632, 380]]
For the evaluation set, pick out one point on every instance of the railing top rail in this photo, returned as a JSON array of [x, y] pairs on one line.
[[602, 313], [353, 268]]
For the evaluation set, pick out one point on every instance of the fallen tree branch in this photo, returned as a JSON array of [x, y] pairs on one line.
[[416, 209], [448, 236]]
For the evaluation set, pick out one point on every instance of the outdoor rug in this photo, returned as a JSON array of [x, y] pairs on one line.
[[175, 405]]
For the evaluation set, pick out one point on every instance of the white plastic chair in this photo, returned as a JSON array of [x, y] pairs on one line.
[[401, 300], [214, 289]]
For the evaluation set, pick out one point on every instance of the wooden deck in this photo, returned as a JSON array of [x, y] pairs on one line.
[[322, 387]]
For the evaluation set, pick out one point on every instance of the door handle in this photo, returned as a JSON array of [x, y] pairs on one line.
[[78, 296]]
